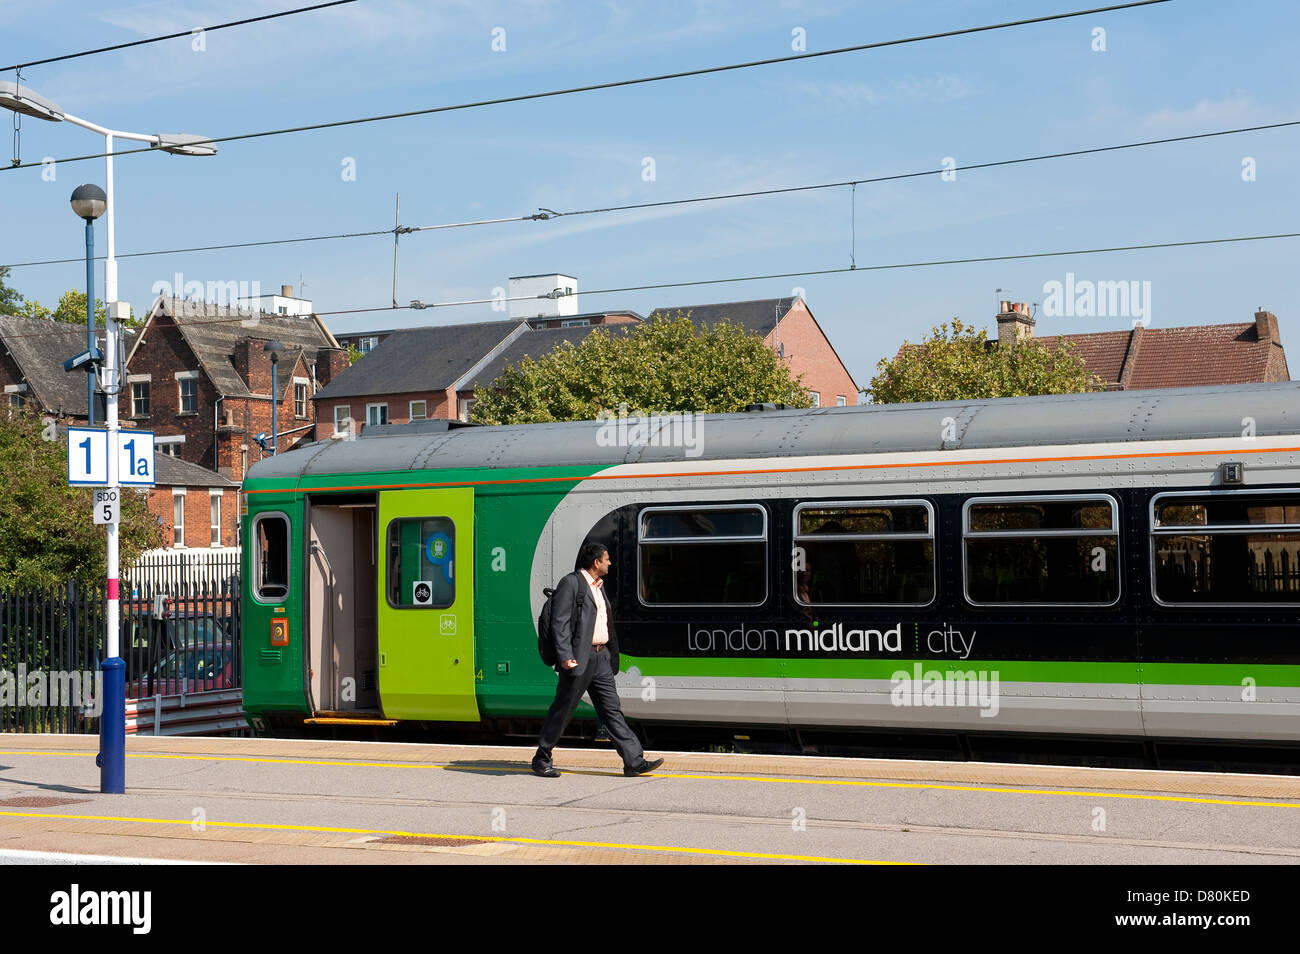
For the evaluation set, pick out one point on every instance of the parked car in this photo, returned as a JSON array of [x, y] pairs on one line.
[[197, 667]]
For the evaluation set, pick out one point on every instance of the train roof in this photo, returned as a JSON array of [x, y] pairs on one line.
[[1098, 417]]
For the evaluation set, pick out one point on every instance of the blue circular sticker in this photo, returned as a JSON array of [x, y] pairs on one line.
[[438, 548]]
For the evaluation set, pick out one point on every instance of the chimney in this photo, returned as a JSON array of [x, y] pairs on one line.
[[1266, 327], [1014, 323], [286, 291]]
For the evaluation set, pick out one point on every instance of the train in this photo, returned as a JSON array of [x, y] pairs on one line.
[[1120, 565]]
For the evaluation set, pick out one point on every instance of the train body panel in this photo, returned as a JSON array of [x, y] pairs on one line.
[[713, 607]]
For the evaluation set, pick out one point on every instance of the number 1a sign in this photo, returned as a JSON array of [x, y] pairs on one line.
[[135, 458], [88, 457]]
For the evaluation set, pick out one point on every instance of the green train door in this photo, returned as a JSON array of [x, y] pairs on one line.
[[426, 604]]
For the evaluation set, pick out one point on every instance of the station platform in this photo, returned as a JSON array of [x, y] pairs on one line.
[[327, 802]]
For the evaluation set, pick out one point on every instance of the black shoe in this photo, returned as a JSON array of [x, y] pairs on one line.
[[545, 770], [642, 768]]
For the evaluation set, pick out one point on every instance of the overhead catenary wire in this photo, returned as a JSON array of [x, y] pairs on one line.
[[175, 36], [615, 84], [251, 316], [548, 214]]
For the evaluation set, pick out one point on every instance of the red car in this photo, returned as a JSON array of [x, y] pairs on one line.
[[198, 667]]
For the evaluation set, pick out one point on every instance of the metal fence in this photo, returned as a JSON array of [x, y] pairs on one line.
[[52, 645], [184, 571]]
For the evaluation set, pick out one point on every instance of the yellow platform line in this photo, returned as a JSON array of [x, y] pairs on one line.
[[859, 783], [673, 849]]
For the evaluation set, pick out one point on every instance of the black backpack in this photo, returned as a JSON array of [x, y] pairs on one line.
[[545, 644]]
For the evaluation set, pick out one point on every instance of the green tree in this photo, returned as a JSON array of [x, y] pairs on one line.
[[46, 533], [10, 301], [72, 310], [960, 363], [660, 366]]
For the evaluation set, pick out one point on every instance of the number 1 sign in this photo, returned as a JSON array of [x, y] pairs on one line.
[[87, 455]]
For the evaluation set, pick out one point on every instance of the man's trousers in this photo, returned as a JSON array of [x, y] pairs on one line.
[[598, 683]]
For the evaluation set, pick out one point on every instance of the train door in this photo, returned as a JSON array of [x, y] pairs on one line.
[[341, 594], [426, 604]]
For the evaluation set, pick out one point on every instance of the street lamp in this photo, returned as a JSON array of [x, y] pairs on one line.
[[274, 348], [89, 202], [20, 99], [28, 102]]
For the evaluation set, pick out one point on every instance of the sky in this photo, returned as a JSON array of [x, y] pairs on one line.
[[1171, 69]]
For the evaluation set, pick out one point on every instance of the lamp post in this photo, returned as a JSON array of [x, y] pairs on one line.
[[20, 99], [274, 348], [89, 202]]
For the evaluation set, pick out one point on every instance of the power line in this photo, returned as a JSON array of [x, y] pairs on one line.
[[547, 214], [250, 316], [174, 36], [614, 84]]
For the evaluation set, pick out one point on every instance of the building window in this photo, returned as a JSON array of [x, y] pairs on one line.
[[342, 418], [422, 562], [707, 556], [215, 502], [464, 407], [270, 557], [1053, 550], [178, 518], [189, 392], [864, 554], [575, 323], [418, 411], [841, 401], [140, 398], [300, 399], [816, 398], [364, 345], [169, 445], [1231, 547], [376, 414]]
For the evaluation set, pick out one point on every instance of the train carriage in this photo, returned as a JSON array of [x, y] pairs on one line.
[[1121, 564]]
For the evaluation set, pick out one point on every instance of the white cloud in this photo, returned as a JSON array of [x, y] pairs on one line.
[[942, 88], [1235, 110]]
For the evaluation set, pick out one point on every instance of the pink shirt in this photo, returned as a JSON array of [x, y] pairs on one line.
[[599, 635]]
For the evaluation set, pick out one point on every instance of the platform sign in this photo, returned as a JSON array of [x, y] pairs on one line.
[[135, 458], [108, 506], [87, 456]]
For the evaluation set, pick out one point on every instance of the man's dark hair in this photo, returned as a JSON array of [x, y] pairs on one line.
[[589, 554]]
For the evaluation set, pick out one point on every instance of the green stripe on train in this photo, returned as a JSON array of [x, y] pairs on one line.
[[1172, 674]]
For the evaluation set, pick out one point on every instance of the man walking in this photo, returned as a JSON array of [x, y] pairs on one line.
[[587, 661]]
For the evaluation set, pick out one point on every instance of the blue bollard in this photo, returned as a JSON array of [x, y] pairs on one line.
[[112, 729]]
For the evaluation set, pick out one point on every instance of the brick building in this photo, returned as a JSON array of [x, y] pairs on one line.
[[416, 373], [196, 507], [32, 352], [1143, 357], [199, 377], [788, 327]]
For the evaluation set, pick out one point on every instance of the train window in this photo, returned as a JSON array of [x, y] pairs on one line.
[[865, 553], [270, 557], [422, 562], [1228, 547], [1042, 550], [702, 556]]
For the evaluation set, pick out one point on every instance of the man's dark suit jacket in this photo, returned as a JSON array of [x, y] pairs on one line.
[[571, 645]]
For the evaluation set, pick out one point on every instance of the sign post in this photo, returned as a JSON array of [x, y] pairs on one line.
[[131, 463]]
